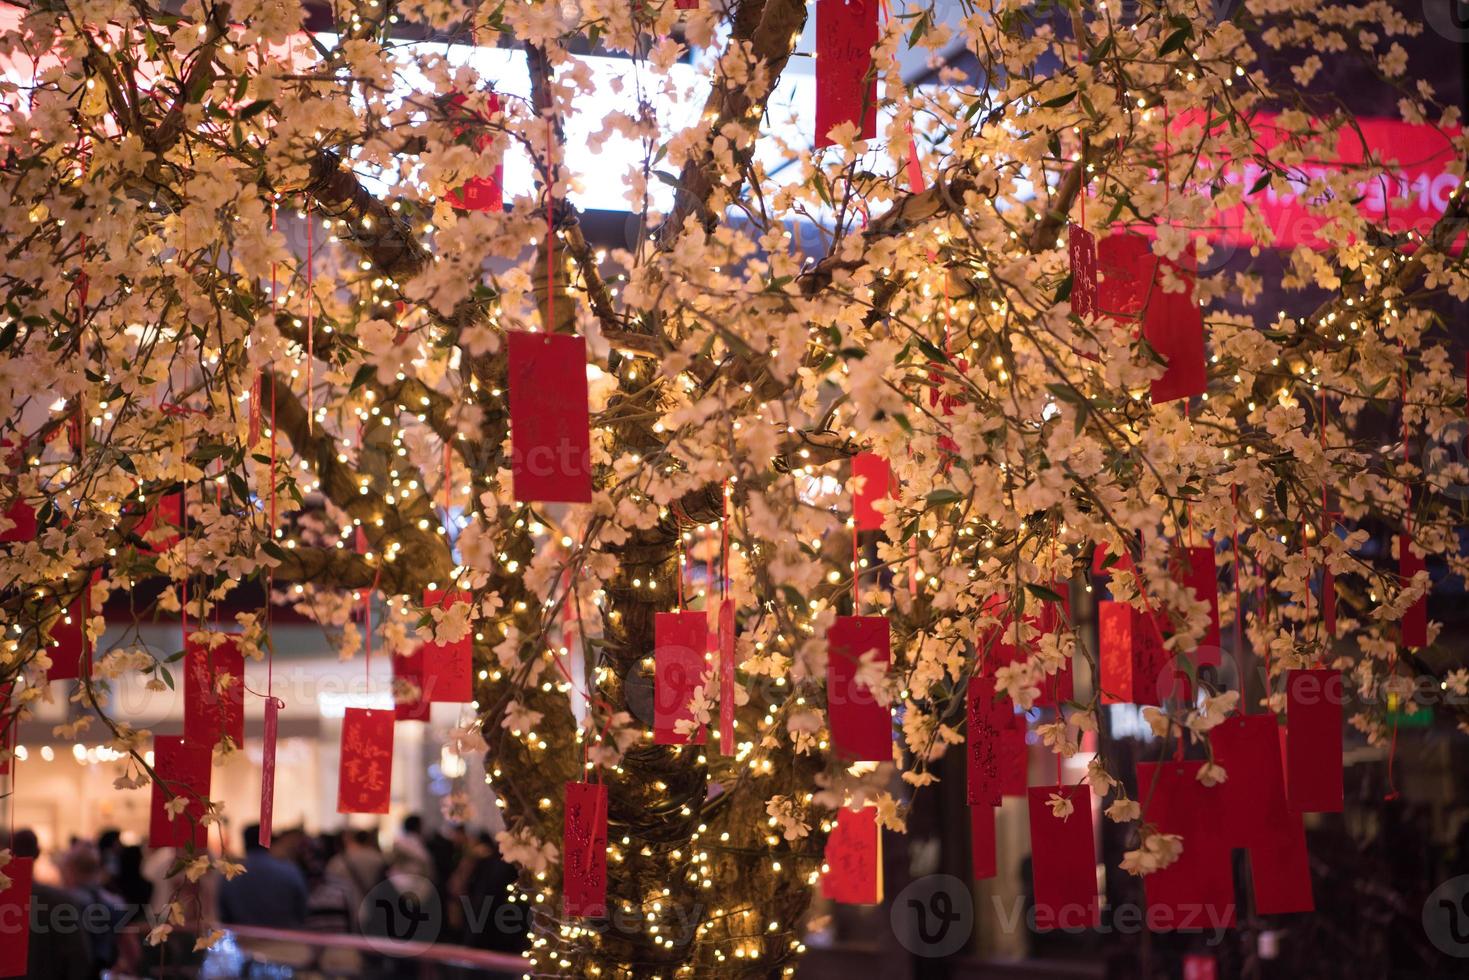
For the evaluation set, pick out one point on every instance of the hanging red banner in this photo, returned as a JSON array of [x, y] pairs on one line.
[[448, 668], [159, 527], [982, 861], [181, 771], [214, 692], [1174, 327], [861, 728], [1135, 666], [15, 917], [1201, 575], [1014, 759], [725, 635], [1196, 891], [853, 859], [679, 666], [410, 696], [987, 719], [1313, 745], [584, 850], [846, 79], [1124, 274], [267, 769], [1081, 249], [1063, 860], [872, 479], [365, 773], [1280, 870], [1415, 621], [1059, 687], [550, 438], [480, 193]]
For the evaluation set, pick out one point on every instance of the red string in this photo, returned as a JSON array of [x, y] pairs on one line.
[[550, 226], [1239, 633]]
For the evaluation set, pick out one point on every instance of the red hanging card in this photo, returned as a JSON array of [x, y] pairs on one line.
[[861, 728], [1081, 248], [550, 437], [1415, 620], [365, 776], [410, 696], [15, 917], [1136, 667], [1313, 747], [1174, 327], [1124, 272], [211, 712], [68, 645], [686, 4], [182, 770], [1201, 576], [846, 79], [1063, 861], [584, 850], [1197, 890], [1280, 870], [986, 720], [982, 841], [1014, 759], [1200, 966], [872, 479], [1059, 687], [854, 859], [267, 769], [679, 666], [160, 525], [480, 193], [1328, 603], [1252, 799], [23, 516], [726, 637], [448, 668], [915, 168]]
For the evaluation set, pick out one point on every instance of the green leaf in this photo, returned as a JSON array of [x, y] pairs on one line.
[[1043, 593], [8, 335], [939, 498], [1063, 291], [365, 373], [1059, 100], [1176, 40]]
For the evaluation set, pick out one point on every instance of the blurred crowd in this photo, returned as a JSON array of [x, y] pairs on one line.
[[95, 903]]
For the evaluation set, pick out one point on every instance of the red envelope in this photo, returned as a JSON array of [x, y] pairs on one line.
[[365, 776], [875, 477], [1063, 861], [15, 917], [183, 770], [550, 436], [209, 713], [679, 666], [861, 728], [1014, 759], [1313, 747], [410, 700], [1081, 248], [448, 668], [267, 770], [982, 841], [987, 720], [1197, 890], [846, 81], [1174, 327], [854, 859], [481, 193], [1124, 273], [1415, 620], [726, 638], [1201, 575], [584, 850]]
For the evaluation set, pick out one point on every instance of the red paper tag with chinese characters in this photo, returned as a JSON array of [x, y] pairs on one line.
[[987, 719], [846, 80], [861, 728], [1313, 746], [212, 711], [267, 769], [481, 193], [1081, 248], [448, 668], [410, 696], [15, 917], [550, 438], [1136, 668], [726, 637], [365, 779], [1197, 890], [982, 841], [1063, 861], [854, 859], [584, 850], [1415, 620], [1201, 576], [1174, 328], [872, 480], [1124, 273], [679, 666], [182, 771], [1014, 758]]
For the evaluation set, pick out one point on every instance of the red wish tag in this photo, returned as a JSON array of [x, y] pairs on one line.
[[1252, 797], [987, 719], [1124, 273], [448, 668], [365, 778], [1136, 668], [846, 79], [1202, 577], [982, 841], [584, 850], [1081, 249], [1063, 860], [1014, 758], [872, 480], [854, 859], [23, 517], [1197, 890], [550, 438], [679, 666], [159, 526], [214, 693], [68, 644], [1313, 745], [181, 771], [1059, 687], [1415, 620], [861, 728], [410, 699], [726, 638], [15, 917], [480, 193], [267, 769], [1174, 327], [1280, 869]]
